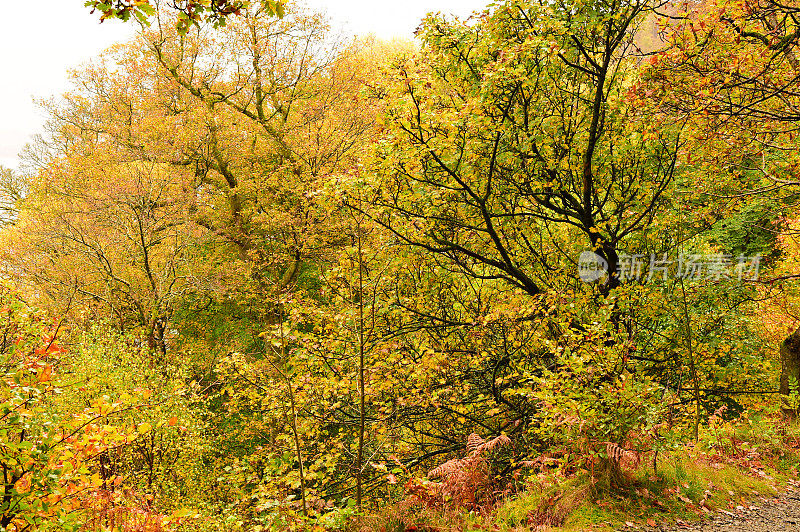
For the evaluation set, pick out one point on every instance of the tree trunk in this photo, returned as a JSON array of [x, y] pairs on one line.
[[790, 372]]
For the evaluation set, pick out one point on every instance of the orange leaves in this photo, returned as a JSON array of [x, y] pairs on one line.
[[50, 449], [50, 348], [45, 374], [23, 485]]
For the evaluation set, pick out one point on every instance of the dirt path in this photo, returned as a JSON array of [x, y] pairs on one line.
[[779, 513]]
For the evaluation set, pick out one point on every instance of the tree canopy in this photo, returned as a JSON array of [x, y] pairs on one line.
[[190, 12]]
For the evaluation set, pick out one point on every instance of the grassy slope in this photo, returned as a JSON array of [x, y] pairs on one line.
[[731, 464]]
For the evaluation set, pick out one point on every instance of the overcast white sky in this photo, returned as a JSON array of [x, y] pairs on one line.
[[38, 47]]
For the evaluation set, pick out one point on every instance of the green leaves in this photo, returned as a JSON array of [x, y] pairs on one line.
[[190, 13]]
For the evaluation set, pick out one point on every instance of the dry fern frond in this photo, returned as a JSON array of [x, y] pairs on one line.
[[467, 482], [494, 443], [568, 420], [447, 468], [473, 442], [618, 455]]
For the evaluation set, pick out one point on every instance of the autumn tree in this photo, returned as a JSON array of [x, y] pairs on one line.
[[12, 190], [512, 133], [295, 91], [510, 150], [730, 71], [251, 146], [48, 458], [81, 244]]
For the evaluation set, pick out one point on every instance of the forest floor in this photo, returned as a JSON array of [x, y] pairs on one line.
[[763, 514], [742, 476]]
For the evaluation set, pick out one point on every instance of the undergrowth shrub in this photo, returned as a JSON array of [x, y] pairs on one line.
[[123, 511], [595, 413], [465, 483]]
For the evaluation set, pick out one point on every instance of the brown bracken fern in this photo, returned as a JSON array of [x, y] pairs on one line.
[[621, 456], [467, 482]]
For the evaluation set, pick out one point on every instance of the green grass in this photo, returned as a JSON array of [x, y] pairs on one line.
[[715, 473], [647, 496]]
